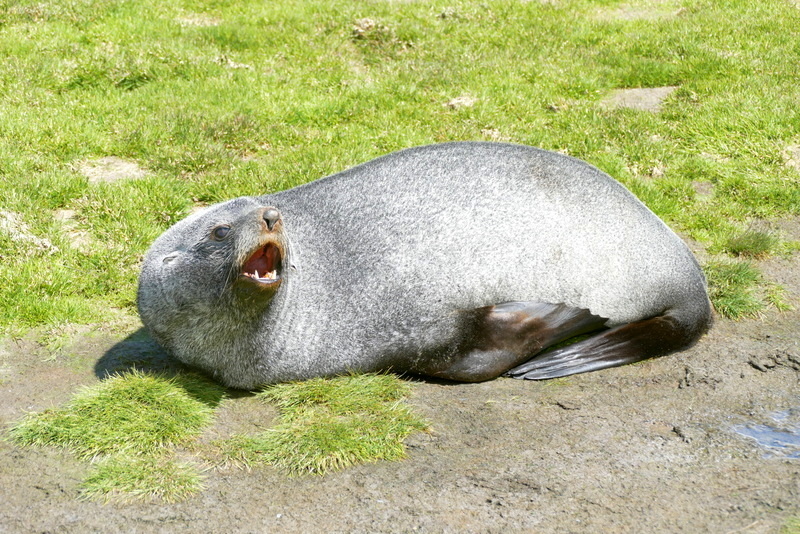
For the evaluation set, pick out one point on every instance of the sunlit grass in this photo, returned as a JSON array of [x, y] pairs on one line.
[[751, 244], [129, 426], [732, 288], [134, 413], [329, 424], [226, 99], [122, 477]]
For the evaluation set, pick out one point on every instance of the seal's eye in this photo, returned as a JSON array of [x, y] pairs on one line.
[[220, 232]]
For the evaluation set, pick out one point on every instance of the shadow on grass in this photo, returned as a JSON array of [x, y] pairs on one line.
[[140, 352]]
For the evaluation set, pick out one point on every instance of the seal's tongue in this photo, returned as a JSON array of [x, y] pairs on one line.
[[263, 264]]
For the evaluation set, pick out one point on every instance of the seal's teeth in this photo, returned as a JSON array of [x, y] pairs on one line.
[[268, 277], [256, 275]]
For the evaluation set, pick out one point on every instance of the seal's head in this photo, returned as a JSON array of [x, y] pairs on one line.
[[224, 263]]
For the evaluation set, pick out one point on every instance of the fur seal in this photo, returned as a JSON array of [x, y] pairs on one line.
[[463, 261]]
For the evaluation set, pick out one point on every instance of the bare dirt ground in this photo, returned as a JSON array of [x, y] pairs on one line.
[[651, 447]]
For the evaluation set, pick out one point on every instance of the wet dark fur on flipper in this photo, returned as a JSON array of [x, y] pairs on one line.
[[622, 345], [498, 337]]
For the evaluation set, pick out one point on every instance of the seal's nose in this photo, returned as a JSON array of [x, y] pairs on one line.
[[271, 216]]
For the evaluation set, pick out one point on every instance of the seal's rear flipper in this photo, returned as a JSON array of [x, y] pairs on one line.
[[496, 338], [624, 344]]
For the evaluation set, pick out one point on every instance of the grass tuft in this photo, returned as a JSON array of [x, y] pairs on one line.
[[791, 526], [752, 244], [329, 424], [146, 477], [775, 294], [132, 413], [129, 425], [732, 287]]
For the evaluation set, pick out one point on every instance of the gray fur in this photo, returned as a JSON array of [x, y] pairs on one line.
[[382, 258]]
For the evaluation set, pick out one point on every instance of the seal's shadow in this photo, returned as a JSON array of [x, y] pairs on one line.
[[138, 352]]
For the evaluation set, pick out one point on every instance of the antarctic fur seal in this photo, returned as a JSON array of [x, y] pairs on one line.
[[463, 261]]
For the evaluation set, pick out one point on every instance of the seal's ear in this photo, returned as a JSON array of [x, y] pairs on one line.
[[169, 258], [153, 294]]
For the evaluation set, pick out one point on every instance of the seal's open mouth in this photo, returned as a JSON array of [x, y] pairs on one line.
[[264, 266]]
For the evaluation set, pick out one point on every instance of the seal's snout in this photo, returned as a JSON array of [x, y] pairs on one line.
[[263, 267], [271, 217]]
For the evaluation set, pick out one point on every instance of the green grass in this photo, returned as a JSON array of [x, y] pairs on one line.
[[215, 100], [134, 414], [146, 477], [751, 244], [330, 424], [732, 288], [129, 425], [791, 526], [246, 97]]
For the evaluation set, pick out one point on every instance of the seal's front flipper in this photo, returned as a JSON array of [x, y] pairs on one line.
[[526, 328], [496, 338], [624, 344]]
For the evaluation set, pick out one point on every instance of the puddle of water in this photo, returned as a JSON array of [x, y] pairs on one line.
[[782, 440]]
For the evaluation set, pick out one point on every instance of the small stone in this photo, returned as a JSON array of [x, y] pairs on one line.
[[200, 20], [657, 172], [703, 190], [687, 380], [687, 434], [494, 134], [791, 157], [197, 208], [785, 359], [64, 215], [225, 61], [653, 10], [461, 102], [762, 364], [363, 26]]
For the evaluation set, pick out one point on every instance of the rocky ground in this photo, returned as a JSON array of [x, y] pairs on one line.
[[650, 447]]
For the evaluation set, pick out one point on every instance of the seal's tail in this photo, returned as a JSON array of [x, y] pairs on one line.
[[628, 343]]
